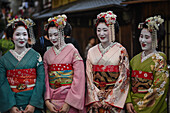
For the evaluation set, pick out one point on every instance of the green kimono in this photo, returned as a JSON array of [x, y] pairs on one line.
[[8, 98], [149, 83]]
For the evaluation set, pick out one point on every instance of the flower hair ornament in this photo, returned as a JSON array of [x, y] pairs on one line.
[[59, 21], [110, 20], [153, 24], [28, 25]]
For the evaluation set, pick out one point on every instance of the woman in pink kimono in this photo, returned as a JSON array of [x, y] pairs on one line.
[[64, 72], [107, 69]]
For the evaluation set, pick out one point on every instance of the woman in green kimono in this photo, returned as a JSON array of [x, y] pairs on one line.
[[149, 74], [21, 72]]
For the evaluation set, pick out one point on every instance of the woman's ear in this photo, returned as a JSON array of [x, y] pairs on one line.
[[29, 41]]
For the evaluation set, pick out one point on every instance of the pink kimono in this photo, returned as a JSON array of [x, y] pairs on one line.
[[107, 79], [65, 78]]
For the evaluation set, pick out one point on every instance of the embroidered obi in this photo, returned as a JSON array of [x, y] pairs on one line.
[[141, 81], [105, 77], [60, 75], [21, 79]]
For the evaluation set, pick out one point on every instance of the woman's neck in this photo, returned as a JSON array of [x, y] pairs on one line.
[[60, 46], [19, 50], [149, 51], [105, 45]]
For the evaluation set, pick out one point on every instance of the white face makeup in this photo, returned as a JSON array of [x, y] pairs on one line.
[[20, 37], [145, 40], [53, 33], [103, 32]]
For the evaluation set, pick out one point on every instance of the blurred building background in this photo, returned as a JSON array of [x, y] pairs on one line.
[[82, 14]]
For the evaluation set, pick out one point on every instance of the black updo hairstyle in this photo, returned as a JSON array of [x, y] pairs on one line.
[[67, 29], [10, 30], [102, 20]]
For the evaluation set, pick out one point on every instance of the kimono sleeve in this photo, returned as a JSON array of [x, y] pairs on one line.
[[129, 97], [117, 96], [92, 90], [158, 91], [38, 92], [7, 98], [47, 91], [76, 95]]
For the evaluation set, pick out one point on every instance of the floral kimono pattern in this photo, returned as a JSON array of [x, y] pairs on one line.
[[107, 77], [149, 83]]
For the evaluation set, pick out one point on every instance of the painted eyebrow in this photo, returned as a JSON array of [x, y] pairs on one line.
[[53, 33], [102, 28], [146, 35]]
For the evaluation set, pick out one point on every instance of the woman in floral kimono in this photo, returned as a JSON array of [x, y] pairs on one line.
[[107, 68], [21, 72], [64, 72], [149, 74]]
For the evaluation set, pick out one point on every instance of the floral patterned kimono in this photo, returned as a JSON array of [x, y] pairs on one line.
[[21, 80], [107, 80], [149, 83], [65, 77]]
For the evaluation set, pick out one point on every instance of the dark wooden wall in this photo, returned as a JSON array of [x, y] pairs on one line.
[[81, 34], [140, 12]]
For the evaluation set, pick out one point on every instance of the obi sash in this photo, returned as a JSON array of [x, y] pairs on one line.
[[21, 79], [105, 77], [141, 81], [60, 75]]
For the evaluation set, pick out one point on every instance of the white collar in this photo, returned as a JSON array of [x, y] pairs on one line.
[[57, 51], [19, 56], [143, 57], [104, 50]]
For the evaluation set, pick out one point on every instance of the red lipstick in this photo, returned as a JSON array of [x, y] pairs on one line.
[[143, 45], [21, 42], [102, 38], [54, 41]]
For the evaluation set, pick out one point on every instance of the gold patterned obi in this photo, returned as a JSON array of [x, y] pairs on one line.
[[105, 77], [141, 81], [21, 79], [60, 75]]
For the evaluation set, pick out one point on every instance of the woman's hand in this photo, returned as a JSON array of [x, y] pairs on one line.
[[14, 109], [29, 109], [51, 107], [96, 105], [130, 108], [106, 106], [65, 108]]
